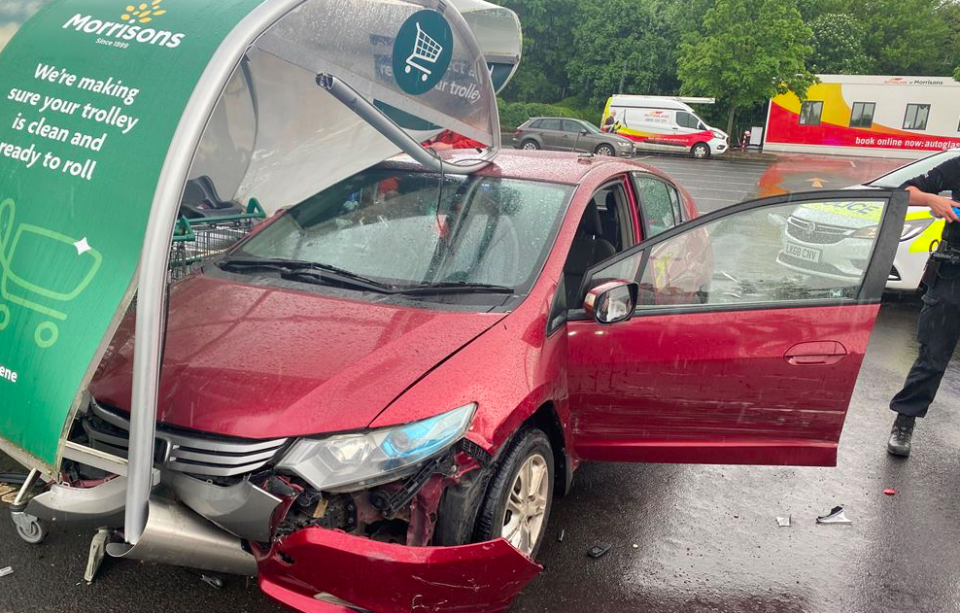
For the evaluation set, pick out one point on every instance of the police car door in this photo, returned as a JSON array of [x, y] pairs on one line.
[[738, 350]]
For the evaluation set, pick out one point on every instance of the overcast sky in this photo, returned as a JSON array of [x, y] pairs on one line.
[[12, 15]]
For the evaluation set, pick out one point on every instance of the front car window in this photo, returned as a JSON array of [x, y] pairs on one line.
[[591, 128], [686, 120], [397, 228], [787, 253], [900, 176]]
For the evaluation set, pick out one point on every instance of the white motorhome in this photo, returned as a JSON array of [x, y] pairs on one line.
[[868, 116], [664, 123]]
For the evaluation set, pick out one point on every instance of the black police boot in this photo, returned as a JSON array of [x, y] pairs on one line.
[[900, 436]]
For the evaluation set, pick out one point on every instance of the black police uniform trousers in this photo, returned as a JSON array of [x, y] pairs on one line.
[[937, 331]]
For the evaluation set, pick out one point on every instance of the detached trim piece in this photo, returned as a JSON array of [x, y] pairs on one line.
[[315, 564]]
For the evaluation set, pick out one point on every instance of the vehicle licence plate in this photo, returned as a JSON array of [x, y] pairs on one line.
[[803, 253]]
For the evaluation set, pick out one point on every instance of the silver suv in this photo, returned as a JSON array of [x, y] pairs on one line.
[[562, 134]]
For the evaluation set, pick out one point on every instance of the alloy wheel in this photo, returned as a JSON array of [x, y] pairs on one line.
[[527, 504]]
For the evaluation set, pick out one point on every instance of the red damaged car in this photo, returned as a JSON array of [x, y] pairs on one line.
[[383, 389]]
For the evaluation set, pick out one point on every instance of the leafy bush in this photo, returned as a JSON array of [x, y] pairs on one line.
[[512, 114]]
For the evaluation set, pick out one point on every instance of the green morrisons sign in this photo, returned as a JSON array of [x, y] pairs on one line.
[[91, 94]]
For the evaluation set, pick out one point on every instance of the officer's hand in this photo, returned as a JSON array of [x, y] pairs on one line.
[[943, 207]]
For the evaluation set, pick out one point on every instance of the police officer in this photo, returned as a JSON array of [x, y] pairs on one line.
[[939, 326]]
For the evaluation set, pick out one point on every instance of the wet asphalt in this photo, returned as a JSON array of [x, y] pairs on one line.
[[690, 539]]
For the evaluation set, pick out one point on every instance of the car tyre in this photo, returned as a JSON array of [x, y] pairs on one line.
[[606, 150], [517, 504], [700, 151], [530, 145]]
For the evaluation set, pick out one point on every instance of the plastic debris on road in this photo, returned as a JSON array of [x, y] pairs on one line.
[[835, 516], [784, 522], [890, 491], [560, 536], [214, 582], [6, 571], [7, 493], [599, 550], [98, 550]]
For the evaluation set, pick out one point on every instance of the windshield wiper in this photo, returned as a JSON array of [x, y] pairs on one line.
[[455, 288], [311, 272]]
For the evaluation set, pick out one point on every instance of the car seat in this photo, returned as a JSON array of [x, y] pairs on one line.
[[589, 248]]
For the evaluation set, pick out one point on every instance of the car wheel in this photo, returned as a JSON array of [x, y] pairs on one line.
[[530, 145], [701, 151], [517, 504], [605, 150]]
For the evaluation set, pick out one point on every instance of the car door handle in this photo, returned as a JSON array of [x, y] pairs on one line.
[[815, 353]]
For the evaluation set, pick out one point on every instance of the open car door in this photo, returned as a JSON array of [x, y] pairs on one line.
[[746, 339]]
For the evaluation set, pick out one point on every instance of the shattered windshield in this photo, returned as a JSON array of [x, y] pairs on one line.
[[398, 228]]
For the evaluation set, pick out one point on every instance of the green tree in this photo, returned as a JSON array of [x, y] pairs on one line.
[[838, 46], [623, 46], [908, 37], [747, 52], [547, 32], [811, 9]]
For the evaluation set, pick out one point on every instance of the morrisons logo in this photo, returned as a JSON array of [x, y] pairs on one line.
[[124, 30]]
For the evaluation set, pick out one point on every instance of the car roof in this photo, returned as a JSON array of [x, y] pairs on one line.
[[546, 166]]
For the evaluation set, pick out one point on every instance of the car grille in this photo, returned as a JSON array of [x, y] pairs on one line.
[[181, 451], [816, 233]]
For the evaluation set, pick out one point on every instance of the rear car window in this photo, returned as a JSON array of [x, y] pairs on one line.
[[657, 204], [549, 124]]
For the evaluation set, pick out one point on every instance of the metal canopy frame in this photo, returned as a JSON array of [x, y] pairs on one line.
[[154, 257]]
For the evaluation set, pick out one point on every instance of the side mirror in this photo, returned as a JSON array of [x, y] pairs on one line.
[[583, 132], [612, 302]]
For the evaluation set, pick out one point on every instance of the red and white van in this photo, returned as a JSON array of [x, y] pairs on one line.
[[663, 123]]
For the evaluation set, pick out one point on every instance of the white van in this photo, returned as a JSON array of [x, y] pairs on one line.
[[663, 123]]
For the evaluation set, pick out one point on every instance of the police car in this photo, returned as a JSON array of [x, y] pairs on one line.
[[832, 240]]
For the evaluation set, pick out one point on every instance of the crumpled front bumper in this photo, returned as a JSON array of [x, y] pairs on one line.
[[323, 571]]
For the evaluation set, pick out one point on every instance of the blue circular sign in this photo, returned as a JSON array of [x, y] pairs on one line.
[[422, 52]]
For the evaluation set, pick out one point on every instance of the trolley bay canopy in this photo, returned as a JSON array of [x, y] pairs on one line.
[[271, 100]]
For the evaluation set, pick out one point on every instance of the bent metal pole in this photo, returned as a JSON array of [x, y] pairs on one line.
[[156, 250]]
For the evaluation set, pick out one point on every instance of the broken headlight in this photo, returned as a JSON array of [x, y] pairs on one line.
[[350, 462]]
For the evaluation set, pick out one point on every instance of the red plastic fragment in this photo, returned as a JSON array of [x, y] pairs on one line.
[[890, 491]]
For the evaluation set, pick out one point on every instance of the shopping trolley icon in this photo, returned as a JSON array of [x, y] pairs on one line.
[[67, 261], [427, 50]]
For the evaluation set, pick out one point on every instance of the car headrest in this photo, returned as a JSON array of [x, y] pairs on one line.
[[591, 224], [611, 201]]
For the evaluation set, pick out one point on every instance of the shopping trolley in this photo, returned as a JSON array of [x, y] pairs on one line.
[[59, 251], [426, 49], [197, 240]]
